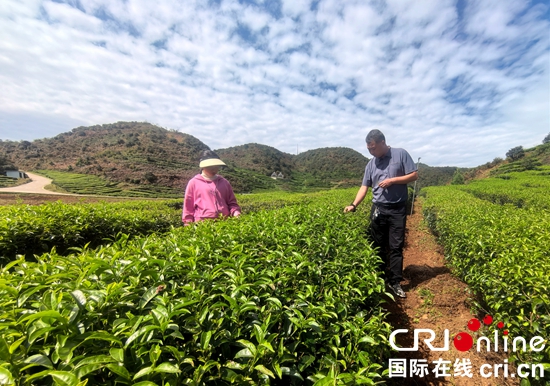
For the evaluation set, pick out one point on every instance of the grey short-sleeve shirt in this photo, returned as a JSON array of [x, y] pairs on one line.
[[397, 162]]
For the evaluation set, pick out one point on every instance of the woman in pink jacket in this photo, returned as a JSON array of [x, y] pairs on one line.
[[209, 195]]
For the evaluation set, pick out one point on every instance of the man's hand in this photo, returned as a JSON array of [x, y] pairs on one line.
[[358, 199], [349, 208], [407, 178], [386, 183]]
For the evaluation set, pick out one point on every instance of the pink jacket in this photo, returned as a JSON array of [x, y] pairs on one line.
[[208, 199]]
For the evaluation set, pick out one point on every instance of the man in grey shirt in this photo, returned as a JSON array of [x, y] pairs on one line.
[[387, 174]]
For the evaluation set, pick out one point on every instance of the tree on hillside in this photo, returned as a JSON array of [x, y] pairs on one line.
[[496, 161], [515, 153], [546, 139], [458, 178], [150, 177], [5, 164], [25, 145]]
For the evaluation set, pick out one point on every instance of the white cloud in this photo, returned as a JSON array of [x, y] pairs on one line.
[[70, 17], [451, 87], [255, 20], [295, 8], [494, 19]]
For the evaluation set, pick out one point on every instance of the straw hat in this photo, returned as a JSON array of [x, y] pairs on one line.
[[211, 160]]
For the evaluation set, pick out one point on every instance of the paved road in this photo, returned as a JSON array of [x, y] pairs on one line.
[[35, 186]]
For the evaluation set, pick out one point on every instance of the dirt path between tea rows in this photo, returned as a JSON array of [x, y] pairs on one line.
[[437, 300]]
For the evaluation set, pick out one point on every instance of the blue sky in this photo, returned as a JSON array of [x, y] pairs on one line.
[[454, 82]]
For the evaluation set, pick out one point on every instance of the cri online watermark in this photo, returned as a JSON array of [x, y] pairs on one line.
[[463, 341]]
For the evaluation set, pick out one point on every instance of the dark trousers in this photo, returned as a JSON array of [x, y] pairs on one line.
[[387, 233]]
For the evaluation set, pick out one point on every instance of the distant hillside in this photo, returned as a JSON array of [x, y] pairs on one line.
[[319, 168], [330, 167], [434, 176], [137, 158], [531, 159], [334, 161], [259, 158], [131, 152], [251, 165]]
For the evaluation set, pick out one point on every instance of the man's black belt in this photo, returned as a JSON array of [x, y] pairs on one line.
[[391, 205]]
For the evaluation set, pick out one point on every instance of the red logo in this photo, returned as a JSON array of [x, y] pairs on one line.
[[463, 341]]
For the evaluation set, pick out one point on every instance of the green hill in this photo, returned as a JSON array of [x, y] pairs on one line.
[[141, 159], [134, 154], [332, 161], [330, 167], [250, 167], [529, 159], [258, 158], [136, 158], [314, 169], [435, 176], [532, 159]]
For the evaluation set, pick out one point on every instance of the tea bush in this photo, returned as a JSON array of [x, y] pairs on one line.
[[525, 189], [28, 229], [501, 251], [287, 296]]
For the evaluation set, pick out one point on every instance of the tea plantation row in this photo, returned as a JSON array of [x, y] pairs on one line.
[[289, 296], [521, 189], [36, 229], [501, 250]]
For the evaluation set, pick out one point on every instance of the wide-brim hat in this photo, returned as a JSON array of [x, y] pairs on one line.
[[211, 161]]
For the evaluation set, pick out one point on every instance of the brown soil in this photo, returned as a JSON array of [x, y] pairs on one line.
[[437, 300]]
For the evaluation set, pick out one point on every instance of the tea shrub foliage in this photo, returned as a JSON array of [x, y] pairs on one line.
[[286, 296], [496, 237]]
